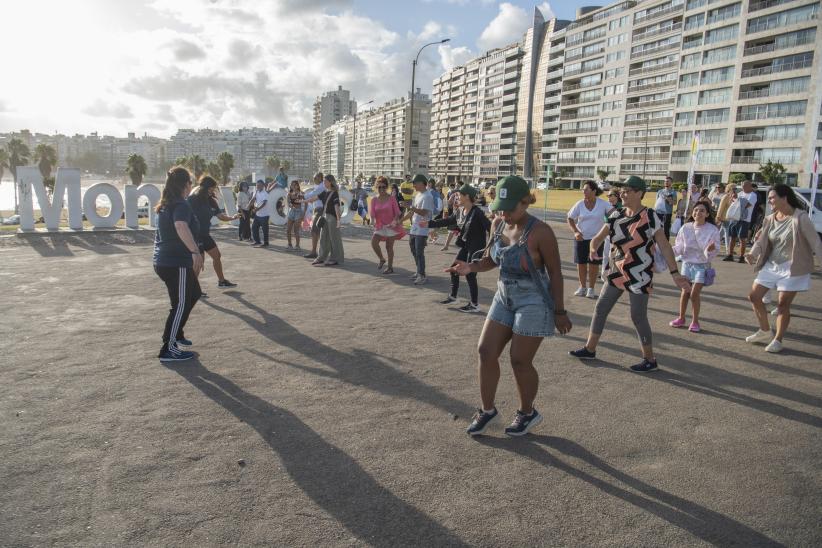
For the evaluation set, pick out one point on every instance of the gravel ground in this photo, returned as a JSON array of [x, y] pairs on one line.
[[328, 407]]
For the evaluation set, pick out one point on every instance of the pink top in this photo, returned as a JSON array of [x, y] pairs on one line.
[[384, 212], [692, 243]]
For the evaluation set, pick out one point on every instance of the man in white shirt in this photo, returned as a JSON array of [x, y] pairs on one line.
[[739, 229], [420, 211], [262, 211]]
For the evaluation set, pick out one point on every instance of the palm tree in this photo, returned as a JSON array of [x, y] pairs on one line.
[[4, 162], [226, 162], [181, 161], [272, 164], [197, 164], [213, 169], [136, 168], [46, 158], [19, 155], [285, 164]]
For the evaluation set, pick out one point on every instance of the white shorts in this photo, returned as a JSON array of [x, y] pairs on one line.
[[779, 276]]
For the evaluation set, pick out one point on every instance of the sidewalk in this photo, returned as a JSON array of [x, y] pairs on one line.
[[329, 406]]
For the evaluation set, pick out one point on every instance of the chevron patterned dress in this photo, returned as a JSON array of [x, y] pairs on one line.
[[631, 259]]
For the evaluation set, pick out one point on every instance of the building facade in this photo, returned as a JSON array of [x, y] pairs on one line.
[[332, 149], [329, 108], [623, 90]]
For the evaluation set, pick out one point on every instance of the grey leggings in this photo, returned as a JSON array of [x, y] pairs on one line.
[[639, 312]]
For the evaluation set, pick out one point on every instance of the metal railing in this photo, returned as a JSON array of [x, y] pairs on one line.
[[704, 120], [773, 46], [720, 17], [748, 138], [655, 50], [764, 4], [658, 13], [654, 85], [775, 22], [652, 68], [745, 160], [642, 156], [759, 115], [649, 139], [755, 93], [796, 65], [650, 104], [657, 31], [650, 121], [568, 102], [572, 87], [581, 130]]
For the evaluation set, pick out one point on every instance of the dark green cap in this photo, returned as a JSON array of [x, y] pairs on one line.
[[420, 178], [468, 190], [510, 191], [634, 182]]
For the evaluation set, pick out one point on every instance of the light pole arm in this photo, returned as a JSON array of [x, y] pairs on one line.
[[413, 83]]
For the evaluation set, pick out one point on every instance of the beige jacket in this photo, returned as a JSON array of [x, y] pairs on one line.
[[806, 242], [724, 204]]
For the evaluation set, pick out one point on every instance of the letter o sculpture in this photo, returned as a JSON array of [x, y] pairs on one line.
[[90, 205], [273, 197], [345, 207]]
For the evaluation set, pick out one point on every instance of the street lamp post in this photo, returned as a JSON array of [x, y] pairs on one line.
[[411, 113], [354, 140]]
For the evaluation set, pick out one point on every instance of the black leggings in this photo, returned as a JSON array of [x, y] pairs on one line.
[[183, 291], [473, 288]]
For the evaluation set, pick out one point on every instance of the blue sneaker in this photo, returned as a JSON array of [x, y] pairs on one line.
[[583, 354], [184, 341], [645, 366], [480, 421], [523, 423], [173, 354]]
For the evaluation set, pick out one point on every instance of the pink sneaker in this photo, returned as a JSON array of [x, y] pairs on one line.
[[679, 322], [694, 327]]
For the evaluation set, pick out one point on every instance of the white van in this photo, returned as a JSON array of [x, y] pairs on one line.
[[804, 194]]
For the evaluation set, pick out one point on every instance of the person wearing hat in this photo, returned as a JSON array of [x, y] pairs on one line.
[[421, 208], [634, 231], [472, 227], [528, 304]]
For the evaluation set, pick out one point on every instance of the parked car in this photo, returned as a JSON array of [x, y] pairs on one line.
[[804, 194], [13, 220]]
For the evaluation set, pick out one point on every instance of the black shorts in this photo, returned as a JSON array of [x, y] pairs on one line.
[[318, 213], [582, 252], [207, 243]]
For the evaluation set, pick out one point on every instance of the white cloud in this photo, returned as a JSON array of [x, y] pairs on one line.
[[100, 108], [451, 57], [507, 27]]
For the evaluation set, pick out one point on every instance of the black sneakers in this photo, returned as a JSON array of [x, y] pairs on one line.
[[728, 258], [173, 354], [470, 308], [480, 421], [225, 283], [448, 300], [645, 366], [583, 354], [523, 423]]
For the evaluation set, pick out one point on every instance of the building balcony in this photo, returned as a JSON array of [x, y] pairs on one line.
[[766, 48], [648, 139], [580, 130], [578, 101], [749, 138], [642, 157], [771, 24], [658, 13], [745, 160], [654, 68], [657, 32], [654, 85], [650, 121], [764, 4], [654, 50], [650, 104]]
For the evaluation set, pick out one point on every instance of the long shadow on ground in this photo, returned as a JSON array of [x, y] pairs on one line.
[[358, 368], [710, 526], [330, 477]]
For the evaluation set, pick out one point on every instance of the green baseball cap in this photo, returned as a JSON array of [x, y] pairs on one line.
[[420, 178], [510, 191], [468, 190], [634, 182]]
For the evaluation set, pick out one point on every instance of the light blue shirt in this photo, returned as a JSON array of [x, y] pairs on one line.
[[282, 180]]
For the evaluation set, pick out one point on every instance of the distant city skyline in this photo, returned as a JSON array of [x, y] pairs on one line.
[[158, 65]]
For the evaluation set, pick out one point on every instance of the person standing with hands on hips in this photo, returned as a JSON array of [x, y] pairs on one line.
[[586, 218], [664, 206], [262, 211], [633, 230], [528, 304], [421, 209], [177, 260]]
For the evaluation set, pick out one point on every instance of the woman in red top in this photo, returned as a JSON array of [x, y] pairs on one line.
[[386, 215]]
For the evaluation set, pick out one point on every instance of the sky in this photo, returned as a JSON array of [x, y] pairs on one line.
[[152, 66]]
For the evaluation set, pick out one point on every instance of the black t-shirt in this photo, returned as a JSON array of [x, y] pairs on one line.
[[169, 249], [333, 201], [204, 210]]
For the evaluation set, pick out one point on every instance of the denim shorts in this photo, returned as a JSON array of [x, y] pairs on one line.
[[519, 305], [295, 214], [739, 229], [695, 272]]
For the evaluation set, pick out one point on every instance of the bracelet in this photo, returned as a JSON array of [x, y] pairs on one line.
[[561, 312], [674, 271]]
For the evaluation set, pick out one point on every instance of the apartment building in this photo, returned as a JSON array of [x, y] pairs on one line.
[[329, 108], [623, 88], [332, 149], [377, 143]]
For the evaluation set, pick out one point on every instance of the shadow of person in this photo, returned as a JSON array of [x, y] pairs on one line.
[[357, 368], [708, 525], [327, 475]]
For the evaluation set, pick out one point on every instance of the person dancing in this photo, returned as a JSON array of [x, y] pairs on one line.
[[203, 202], [385, 215], [177, 260], [633, 230], [528, 305], [472, 228], [296, 212]]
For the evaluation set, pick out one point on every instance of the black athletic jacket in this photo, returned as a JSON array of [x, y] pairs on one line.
[[473, 230]]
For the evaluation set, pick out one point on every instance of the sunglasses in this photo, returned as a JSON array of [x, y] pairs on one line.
[[382, 187]]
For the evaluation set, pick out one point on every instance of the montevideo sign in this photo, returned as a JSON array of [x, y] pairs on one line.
[[68, 195]]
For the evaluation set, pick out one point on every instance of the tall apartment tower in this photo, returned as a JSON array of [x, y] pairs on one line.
[[329, 108]]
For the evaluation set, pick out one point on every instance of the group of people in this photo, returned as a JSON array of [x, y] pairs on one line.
[[529, 301]]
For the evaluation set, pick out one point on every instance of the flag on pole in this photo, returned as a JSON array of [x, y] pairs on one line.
[[694, 156], [548, 174], [814, 179]]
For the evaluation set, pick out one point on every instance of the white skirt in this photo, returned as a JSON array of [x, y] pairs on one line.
[[778, 276]]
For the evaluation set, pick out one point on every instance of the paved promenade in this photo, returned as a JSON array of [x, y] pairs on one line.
[[328, 408]]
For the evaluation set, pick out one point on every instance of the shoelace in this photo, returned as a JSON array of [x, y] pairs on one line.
[[519, 418]]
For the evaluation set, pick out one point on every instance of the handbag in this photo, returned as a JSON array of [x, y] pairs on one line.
[[321, 220], [660, 265], [354, 202], [710, 276], [735, 210]]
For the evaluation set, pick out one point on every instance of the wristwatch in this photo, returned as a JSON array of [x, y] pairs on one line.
[[561, 312]]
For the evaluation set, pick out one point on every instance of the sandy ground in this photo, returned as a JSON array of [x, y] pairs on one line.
[[328, 407]]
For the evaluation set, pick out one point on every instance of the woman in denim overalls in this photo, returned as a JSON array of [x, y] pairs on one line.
[[527, 307]]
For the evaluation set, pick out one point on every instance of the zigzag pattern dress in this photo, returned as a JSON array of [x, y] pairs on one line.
[[631, 259]]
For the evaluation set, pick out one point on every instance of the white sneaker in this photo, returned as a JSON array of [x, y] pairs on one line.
[[759, 337], [413, 277], [766, 298], [775, 312], [420, 280], [580, 292], [591, 294], [775, 346]]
